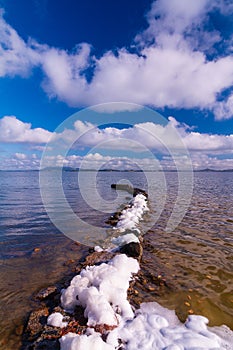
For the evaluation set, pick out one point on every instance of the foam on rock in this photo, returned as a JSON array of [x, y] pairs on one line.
[[125, 239], [102, 291], [155, 327], [94, 341], [131, 216], [56, 320]]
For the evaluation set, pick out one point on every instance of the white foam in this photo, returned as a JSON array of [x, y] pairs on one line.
[[125, 239], [94, 341], [56, 320], [102, 291], [130, 217], [155, 327], [98, 249]]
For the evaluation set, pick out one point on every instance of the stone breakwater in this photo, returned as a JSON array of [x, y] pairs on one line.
[[101, 306]]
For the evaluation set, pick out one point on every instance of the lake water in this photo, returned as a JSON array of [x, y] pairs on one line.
[[197, 254]]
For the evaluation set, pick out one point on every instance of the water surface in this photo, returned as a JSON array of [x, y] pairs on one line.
[[197, 255]]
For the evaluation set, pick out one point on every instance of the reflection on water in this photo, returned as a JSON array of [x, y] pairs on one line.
[[197, 255]]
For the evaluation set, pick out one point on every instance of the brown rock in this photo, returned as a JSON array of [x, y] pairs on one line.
[[50, 333], [73, 327], [137, 191], [103, 328], [45, 293], [132, 249], [98, 258], [36, 322], [113, 219]]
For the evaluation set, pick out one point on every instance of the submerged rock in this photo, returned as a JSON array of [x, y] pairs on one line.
[[45, 293], [43, 345], [113, 219]]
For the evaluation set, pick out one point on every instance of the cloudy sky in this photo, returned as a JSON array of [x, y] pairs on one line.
[[173, 56]]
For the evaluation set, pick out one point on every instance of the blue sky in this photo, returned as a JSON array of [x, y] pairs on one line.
[[174, 56]]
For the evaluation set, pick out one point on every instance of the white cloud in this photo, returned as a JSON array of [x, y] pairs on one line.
[[97, 161], [149, 135], [200, 161], [146, 136], [20, 161], [178, 24], [196, 141], [170, 69], [206, 150], [171, 140], [224, 109], [204, 161], [116, 107], [63, 72], [13, 130], [20, 156], [140, 137], [16, 56], [37, 148]]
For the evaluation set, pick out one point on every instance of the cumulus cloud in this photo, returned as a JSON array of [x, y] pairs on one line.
[[64, 73], [200, 161], [178, 24], [96, 161], [174, 136], [205, 151], [205, 161], [93, 161], [13, 130], [171, 67], [20, 161], [138, 137], [16, 56], [175, 144], [224, 109], [196, 141], [20, 156]]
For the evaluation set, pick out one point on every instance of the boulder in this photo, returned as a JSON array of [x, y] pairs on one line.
[[132, 249], [36, 322], [45, 293]]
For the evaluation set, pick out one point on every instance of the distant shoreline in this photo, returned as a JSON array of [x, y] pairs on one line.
[[120, 171]]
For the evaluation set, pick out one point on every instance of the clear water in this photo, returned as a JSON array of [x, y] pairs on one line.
[[197, 255]]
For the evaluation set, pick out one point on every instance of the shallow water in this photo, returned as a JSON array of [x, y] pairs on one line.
[[197, 255], [27, 266]]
